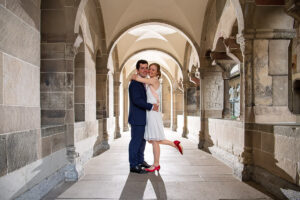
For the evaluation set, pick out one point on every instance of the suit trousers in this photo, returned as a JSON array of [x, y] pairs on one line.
[[137, 145]]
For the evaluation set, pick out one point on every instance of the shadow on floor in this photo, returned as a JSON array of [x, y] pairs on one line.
[[58, 190], [132, 190]]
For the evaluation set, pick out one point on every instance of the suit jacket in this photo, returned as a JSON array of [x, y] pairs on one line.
[[138, 104]]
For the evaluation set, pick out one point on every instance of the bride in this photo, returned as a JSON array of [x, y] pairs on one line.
[[154, 130]]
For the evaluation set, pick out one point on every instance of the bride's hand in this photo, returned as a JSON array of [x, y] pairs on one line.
[[133, 77]]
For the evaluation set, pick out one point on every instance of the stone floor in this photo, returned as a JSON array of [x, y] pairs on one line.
[[195, 175]]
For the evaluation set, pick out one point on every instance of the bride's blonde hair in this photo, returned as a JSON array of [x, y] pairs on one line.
[[157, 69]]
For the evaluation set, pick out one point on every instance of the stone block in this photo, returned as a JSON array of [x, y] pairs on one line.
[[24, 145], [29, 11], [79, 77], [80, 131], [14, 118], [1, 78], [69, 82], [58, 142], [274, 17], [262, 81], [53, 117], [256, 139], [21, 83], [22, 41], [52, 50], [3, 157], [278, 57], [2, 2], [56, 82], [69, 51], [79, 95], [69, 100], [53, 28], [267, 142], [70, 134], [46, 146], [284, 148], [269, 128], [56, 66], [69, 116], [53, 4], [280, 90], [79, 112], [55, 101], [52, 130]]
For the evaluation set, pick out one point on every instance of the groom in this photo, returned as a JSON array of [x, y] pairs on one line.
[[137, 119]]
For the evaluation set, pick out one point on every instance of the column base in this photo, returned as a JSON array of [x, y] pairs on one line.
[[117, 134], [74, 170], [125, 128], [174, 128], [185, 132]]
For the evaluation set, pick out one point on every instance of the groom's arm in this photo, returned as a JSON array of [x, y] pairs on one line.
[[137, 98]]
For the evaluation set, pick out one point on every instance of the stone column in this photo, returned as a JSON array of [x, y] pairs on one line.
[[125, 105], [185, 130], [117, 84], [174, 113], [102, 101]]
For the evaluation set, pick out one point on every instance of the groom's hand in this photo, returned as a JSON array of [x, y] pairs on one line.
[[155, 107]]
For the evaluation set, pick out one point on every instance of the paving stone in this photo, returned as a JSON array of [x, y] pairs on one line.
[[195, 175], [24, 145]]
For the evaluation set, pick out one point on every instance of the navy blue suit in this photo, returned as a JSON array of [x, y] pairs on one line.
[[137, 120]]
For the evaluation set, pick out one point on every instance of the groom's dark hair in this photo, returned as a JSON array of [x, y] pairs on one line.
[[140, 62]]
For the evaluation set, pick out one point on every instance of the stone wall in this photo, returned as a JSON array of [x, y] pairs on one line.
[[19, 85], [275, 156], [226, 140], [26, 149]]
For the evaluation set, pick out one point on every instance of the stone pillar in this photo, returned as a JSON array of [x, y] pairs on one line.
[[117, 84], [174, 113], [185, 130], [125, 106], [102, 101]]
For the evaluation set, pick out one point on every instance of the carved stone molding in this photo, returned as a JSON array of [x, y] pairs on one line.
[[285, 34]]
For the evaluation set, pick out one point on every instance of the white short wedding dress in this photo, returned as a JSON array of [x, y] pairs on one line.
[[154, 129]]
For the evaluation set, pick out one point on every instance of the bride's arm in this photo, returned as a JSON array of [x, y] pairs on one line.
[[150, 81]]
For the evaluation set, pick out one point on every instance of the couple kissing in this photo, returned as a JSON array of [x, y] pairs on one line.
[[145, 118]]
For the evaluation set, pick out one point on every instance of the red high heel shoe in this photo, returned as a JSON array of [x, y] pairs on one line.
[[153, 170], [179, 147]]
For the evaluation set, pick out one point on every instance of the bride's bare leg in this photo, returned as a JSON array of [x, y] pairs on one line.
[[156, 152], [167, 142]]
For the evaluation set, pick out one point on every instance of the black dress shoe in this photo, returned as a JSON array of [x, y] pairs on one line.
[[145, 165], [138, 169]]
